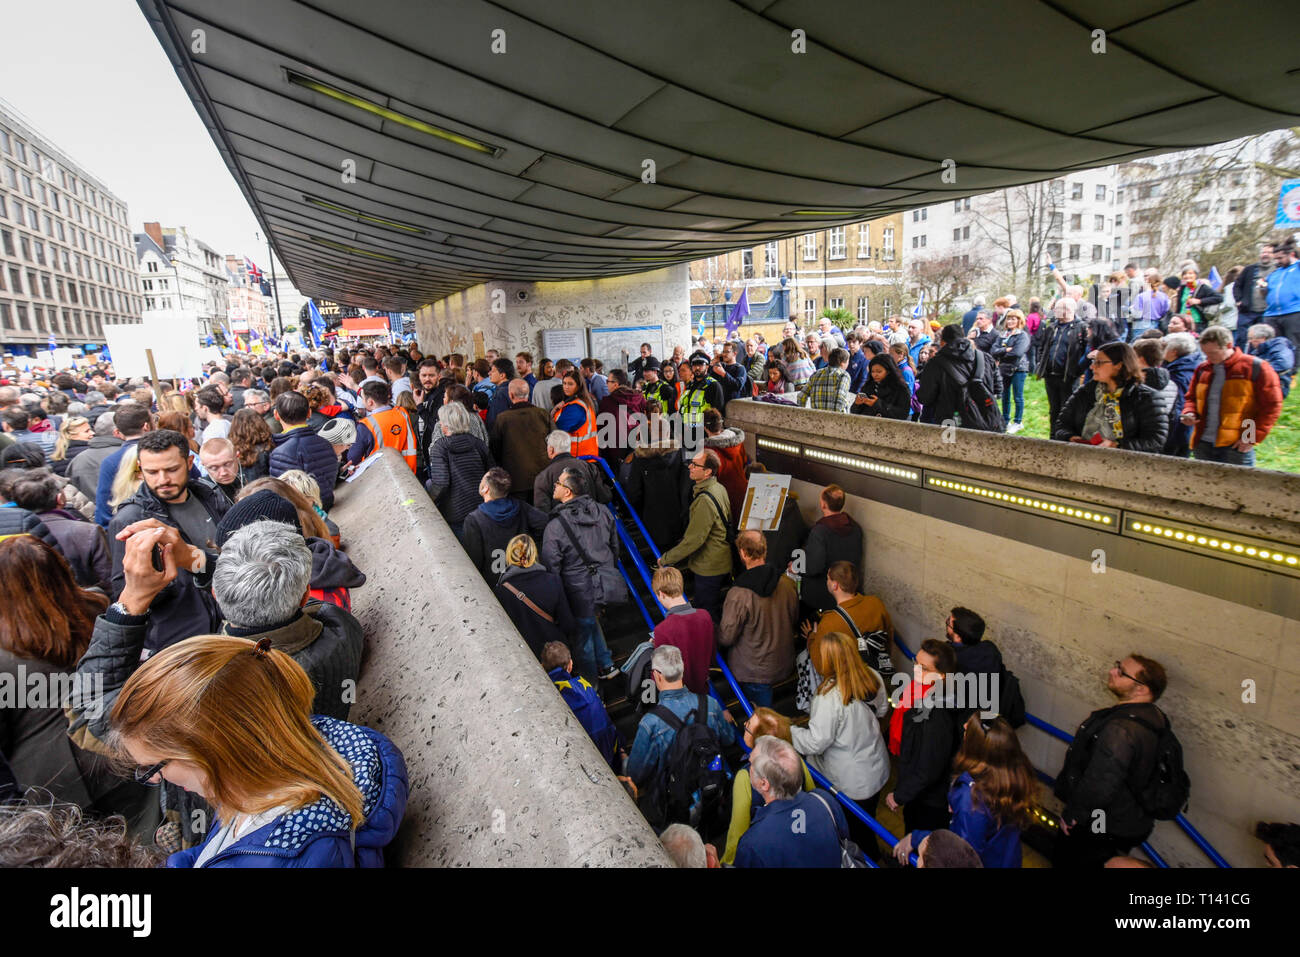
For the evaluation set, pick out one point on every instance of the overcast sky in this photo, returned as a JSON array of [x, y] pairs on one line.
[[90, 76]]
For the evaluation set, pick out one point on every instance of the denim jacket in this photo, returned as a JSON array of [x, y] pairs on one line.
[[653, 736]]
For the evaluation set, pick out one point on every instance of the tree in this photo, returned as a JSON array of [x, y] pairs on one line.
[[841, 317], [1019, 223], [942, 278]]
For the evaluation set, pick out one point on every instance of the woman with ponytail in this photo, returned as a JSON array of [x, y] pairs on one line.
[[230, 719]]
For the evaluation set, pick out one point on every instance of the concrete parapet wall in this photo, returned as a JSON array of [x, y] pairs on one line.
[[1060, 625], [502, 773]]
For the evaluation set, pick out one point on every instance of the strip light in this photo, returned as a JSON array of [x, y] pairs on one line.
[[410, 122], [348, 211], [1091, 515], [1208, 541], [776, 446], [354, 250], [865, 465], [825, 212]]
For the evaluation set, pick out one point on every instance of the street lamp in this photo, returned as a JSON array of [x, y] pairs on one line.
[[726, 294], [713, 308]]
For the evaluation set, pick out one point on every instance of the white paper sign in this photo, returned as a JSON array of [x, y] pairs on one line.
[[765, 501]]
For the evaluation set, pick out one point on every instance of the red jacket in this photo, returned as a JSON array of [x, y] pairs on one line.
[[1251, 391], [730, 446]]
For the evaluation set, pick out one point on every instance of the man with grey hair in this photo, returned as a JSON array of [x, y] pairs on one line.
[[262, 584], [685, 846], [83, 472], [559, 446], [518, 439], [1263, 340], [793, 828], [968, 317], [260, 402], [655, 735]]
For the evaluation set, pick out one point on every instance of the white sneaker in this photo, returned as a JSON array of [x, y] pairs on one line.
[[1014, 427]]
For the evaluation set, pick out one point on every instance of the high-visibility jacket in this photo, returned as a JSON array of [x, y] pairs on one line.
[[392, 428], [584, 439], [695, 402]]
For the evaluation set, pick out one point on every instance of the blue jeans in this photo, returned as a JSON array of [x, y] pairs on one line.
[[1139, 327], [1014, 383], [1206, 452], [760, 696], [590, 653]]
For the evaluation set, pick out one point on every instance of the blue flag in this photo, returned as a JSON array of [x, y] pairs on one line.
[[317, 323], [54, 343], [739, 312], [917, 311], [1214, 279]]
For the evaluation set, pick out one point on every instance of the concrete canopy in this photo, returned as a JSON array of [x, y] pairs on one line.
[[513, 140]]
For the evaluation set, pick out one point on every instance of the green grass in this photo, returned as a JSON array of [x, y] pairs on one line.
[[1280, 450]]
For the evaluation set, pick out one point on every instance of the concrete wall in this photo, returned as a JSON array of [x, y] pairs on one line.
[[501, 772], [659, 297], [1060, 625]]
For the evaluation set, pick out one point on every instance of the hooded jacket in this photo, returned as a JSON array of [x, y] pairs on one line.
[[593, 527], [84, 545], [185, 607], [941, 387], [835, 538], [519, 444], [758, 624], [1157, 378], [489, 528], [456, 466], [320, 834], [1143, 416], [301, 448], [730, 446], [627, 408], [659, 489], [84, 470], [333, 575], [545, 590]]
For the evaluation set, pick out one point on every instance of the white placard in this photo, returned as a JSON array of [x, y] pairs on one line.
[[126, 344], [568, 344], [609, 344], [765, 501], [173, 337]]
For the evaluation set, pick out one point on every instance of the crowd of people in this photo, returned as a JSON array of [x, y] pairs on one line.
[[167, 552], [1175, 366]]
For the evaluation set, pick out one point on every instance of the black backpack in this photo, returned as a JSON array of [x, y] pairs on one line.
[[694, 784], [979, 407], [1167, 791]]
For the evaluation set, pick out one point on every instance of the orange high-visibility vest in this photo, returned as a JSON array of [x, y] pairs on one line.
[[584, 440], [393, 429]]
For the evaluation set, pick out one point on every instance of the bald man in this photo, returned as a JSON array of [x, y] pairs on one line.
[[221, 463], [518, 439]]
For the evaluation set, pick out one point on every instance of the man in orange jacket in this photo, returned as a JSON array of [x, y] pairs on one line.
[[1233, 400]]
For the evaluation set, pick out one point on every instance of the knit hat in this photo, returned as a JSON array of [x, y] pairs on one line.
[[260, 505], [339, 432]]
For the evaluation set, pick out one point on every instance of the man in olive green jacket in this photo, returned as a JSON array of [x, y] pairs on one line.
[[704, 546]]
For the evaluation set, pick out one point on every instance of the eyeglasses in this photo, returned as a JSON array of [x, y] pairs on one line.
[[696, 465], [1102, 362], [145, 775], [1119, 666]]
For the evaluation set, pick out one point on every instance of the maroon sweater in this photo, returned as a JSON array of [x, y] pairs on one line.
[[690, 630]]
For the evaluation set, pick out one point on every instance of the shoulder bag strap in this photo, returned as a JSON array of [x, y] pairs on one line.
[[527, 601], [834, 823], [848, 620], [716, 507], [582, 556], [667, 717]]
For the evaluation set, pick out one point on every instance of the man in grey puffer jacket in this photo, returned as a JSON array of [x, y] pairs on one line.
[[577, 518]]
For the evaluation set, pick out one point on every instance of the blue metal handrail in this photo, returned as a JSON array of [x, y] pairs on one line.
[[1196, 837], [817, 776]]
